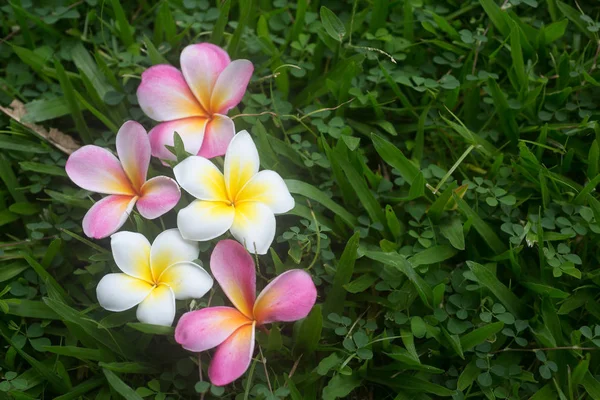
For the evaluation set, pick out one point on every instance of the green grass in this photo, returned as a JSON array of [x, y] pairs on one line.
[[444, 157]]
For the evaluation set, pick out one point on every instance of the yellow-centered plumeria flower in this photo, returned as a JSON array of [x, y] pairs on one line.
[[241, 200], [154, 276]]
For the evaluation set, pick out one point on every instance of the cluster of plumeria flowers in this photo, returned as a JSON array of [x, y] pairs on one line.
[[192, 102]]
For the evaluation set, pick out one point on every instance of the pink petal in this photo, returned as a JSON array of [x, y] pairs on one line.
[[201, 65], [233, 268], [164, 95], [133, 148], [231, 86], [232, 357], [207, 328], [98, 170], [158, 195], [289, 297], [191, 131], [219, 132], [107, 216]]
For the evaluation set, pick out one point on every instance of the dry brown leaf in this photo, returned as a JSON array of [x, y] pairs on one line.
[[60, 140]]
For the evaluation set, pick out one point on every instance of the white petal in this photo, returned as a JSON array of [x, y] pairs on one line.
[[187, 280], [241, 163], [158, 308], [131, 252], [201, 178], [120, 292], [254, 226], [169, 248], [205, 220], [268, 188]]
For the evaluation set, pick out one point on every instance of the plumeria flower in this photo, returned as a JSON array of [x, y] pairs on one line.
[[98, 170], [289, 297], [242, 200], [194, 101], [153, 276]]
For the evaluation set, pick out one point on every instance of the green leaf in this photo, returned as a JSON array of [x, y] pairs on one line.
[[480, 335], [506, 115], [42, 168], [335, 298], [468, 376], [432, 255], [45, 276], [30, 309], [401, 264], [311, 192], [332, 24], [555, 31], [340, 386], [129, 367], [455, 343], [11, 270], [366, 197], [394, 157], [80, 353], [78, 391], [592, 386], [361, 283], [517, 57], [486, 232], [487, 279], [123, 28], [17, 144], [216, 36], [454, 232], [152, 329], [71, 99], [497, 16], [591, 185], [119, 386], [309, 332]]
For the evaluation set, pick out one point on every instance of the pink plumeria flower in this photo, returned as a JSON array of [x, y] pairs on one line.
[[242, 200], [289, 297], [98, 170], [194, 101], [153, 276]]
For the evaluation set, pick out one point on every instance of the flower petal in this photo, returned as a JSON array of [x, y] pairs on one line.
[[133, 148], [187, 280], [170, 248], [120, 292], [159, 195], [107, 215], [254, 226], [233, 268], [289, 297], [158, 308], [201, 178], [98, 170], [131, 251], [219, 132], [191, 131], [201, 65], [206, 328], [241, 163], [231, 86], [164, 95], [205, 220], [268, 188], [232, 357]]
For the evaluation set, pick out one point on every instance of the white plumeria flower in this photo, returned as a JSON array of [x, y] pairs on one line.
[[154, 276], [242, 200]]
